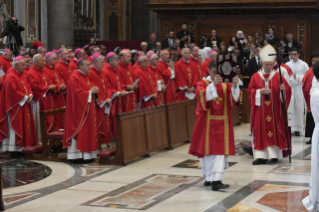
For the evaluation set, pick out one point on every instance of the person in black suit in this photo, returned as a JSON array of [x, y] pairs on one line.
[[291, 42], [213, 40], [254, 64], [273, 38], [287, 59], [185, 36], [17, 29], [169, 41]]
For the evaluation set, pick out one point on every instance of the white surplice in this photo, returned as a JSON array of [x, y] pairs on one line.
[[297, 102], [311, 202]]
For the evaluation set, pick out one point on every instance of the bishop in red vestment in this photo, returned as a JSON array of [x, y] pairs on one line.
[[213, 134], [147, 92], [128, 79], [186, 77], [166, 70], [59, 101], [42, 89], [100, 80], [195, 64], [17, 128], [62, 66], [152, 69], [81, 121], [5, 60], [78, 54], [267, 118], [116, 88], [212, 56]]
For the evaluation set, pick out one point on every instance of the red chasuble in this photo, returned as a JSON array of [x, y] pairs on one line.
[[116, 85], [100, 80], [165, 73], [185, 76], [81, 116], [64, 71], [160, 100], [58, 96], [22, 122], [196, 68], [130, 101], [205, 66], [267, 120], [306, 86], [39, 83], [213, 132], [89, 58], [6, 64], [146, 87], [26, 70], [73, 65]]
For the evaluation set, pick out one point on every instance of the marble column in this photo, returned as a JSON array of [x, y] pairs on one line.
[[60, 23], [44, 23]]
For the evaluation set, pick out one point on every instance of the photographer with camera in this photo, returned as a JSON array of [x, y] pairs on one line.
[[13, 32]]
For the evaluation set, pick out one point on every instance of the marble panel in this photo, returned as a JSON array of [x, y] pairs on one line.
[[194, 164], [288, 169]]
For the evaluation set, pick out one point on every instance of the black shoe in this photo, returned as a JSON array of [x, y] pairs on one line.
[[308, 142], [248, 150], [207, 183], [216, 185], [16, 155], [297, 133], [259, 161], [274, 160]]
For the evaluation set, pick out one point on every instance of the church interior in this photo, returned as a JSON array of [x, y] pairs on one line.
[[159, 105]]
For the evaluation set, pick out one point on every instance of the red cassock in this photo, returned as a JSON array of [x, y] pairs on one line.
[[6, 64], [205, 66], [130, 101], [100, 80], [185, 76], [73, 65], [213, 133], [196, 68], [116, 85], [81, 116], [58, 96], [267, 120], [160, 100], [165, 73], [25, 72], [89, 58], [65, 72], [39, 83], [15, 88], [306, 86], [146, 87]]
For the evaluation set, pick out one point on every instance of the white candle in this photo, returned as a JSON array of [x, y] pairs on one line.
[[87, 8], [92, 9]]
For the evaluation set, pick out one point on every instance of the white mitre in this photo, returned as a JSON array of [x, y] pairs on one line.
[[264, 54]]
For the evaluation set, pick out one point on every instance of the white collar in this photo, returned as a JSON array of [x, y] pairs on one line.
[[63, 61], [187, 61], [75, 59], [209, 79], [194, 57], [153, 66], [95, 68], [82, 72]]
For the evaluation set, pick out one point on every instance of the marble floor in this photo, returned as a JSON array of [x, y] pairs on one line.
[[169, 180]]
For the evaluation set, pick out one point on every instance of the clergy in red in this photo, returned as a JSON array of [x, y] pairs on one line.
[[166, 70], [59, 101], [78, 54], [17, 128], [100, 80], [195, 64], [212, 56], [267, 118], [41, 50], [116, 88], [213, 135], [126, 72], [81, 122], [147, 92], [5, 60], [152, 69], [185, 79], [42, 89], [62, 66]]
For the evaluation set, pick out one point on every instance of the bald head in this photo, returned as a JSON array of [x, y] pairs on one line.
[[186, 54], [164, 56], [143, 61], [195, 51], [64, 55], [38, 61], [125, 57]]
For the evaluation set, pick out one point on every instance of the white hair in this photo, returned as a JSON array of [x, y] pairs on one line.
[[41, 50], [36, 58], [14, 63], [108, 59], [101, 57], [143, 44], [152, 57], [162, 52], [7, 52], [183, 50], [47, 59], [141, 59], [60, 53]]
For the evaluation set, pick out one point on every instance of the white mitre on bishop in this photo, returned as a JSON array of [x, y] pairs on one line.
[[264, 54]]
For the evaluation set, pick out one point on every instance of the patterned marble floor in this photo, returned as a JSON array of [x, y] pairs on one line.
[[170, 180]]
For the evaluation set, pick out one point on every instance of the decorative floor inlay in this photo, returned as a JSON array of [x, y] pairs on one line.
[[19, 172], [262, 195], [145, 193], [190, 163], [14, 198], [287, 169], [303, 155]]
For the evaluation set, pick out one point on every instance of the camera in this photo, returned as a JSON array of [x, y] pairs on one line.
[[10, 27]]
